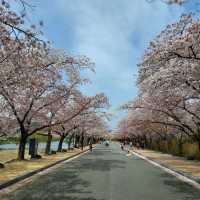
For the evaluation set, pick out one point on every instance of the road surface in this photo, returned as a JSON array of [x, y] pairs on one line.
[[107, 173]]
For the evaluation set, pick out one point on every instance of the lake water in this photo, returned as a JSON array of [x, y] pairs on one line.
[[42, 145]]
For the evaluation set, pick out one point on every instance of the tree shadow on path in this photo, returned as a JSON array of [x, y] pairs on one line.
[[189, 192], [65, 182], [61, 184], [99, 165]]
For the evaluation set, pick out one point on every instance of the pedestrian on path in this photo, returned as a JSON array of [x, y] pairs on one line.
[[90, 146]]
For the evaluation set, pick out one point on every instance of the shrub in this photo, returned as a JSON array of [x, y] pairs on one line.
[[197, 156], [190, 157]]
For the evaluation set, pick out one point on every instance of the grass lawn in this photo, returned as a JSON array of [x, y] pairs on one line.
[[6, 155], [17, 168], [10, 154]]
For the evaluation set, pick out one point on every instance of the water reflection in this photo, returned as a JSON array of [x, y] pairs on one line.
[[54, 145]]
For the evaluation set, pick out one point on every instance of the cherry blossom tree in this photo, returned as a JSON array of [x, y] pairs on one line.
[[170, 69], [34, 91], [33, 81], [63, 131], [39, 85], [94, 127], [168, 82], [91, 119], [179, 2]]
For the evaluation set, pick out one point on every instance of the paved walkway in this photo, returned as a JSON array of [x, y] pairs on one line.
[[187, 167], [107, 173]]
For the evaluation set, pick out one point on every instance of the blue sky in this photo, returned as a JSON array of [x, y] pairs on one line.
[[113, 33]]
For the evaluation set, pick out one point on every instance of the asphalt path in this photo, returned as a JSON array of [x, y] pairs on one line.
[[107, 173]]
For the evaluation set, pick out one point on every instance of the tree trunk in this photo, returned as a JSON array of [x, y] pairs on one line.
[[77, 138], [180, 145], [82, 141], [180, 148], [150, 142], [199, 145], [88, 140], [22, 147], [70, 141], [48, 145], [145, 141], [60, 143]]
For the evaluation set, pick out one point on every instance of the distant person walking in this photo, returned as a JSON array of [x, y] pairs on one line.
[[138, 145], [122, 147], [90, 146], [131, 144]]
